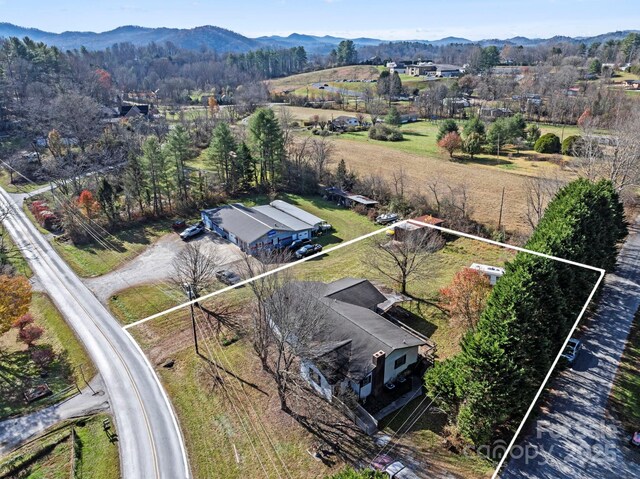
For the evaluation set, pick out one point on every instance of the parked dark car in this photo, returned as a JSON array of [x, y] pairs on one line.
[[227, 276], [297, 244], [179, 225], [308, 250], [192, 231]]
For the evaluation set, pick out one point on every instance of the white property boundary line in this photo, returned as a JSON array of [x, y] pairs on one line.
[[443, 230]]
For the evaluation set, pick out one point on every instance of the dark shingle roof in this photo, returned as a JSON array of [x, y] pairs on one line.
[[350, 319], [246, 223]]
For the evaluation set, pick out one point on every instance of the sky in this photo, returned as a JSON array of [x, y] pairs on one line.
[[384, 19]]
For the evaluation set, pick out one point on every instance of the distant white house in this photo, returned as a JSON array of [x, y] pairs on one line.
[[397, 67], [493, 272]]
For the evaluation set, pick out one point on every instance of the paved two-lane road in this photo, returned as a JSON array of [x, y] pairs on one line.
[[151, 445], [575, 437]]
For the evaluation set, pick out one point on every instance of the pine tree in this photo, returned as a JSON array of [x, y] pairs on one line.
[[268, 143], [221, 155], [177, 150], [154, 163]]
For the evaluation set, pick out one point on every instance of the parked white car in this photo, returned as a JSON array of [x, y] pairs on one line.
[[397, 470]]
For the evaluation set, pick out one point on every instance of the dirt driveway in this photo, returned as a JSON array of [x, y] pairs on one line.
[[155, 264]]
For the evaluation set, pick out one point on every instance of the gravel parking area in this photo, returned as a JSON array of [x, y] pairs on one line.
[[155, 264]]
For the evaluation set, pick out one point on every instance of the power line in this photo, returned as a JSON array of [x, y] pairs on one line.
[[251, 441], [235, 376]]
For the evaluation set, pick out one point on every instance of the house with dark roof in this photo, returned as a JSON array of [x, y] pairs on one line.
[[357, 347], [261, 227], [131, 111]]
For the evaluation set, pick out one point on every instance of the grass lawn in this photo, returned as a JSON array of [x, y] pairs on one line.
[[10, 254], [25, 187], [19, 372], [626, 388], [211, 425], [93, 259], [52, 455]]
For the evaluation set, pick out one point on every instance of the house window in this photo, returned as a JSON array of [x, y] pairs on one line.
[[400, 361], [365, 381], [315, 377]]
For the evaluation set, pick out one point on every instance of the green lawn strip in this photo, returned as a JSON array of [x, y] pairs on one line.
[[14, 256], [17, 187], [98, 457], [93, 259], [211, 426], [625, 395], [133, 304], [51, 455], [19, 372]]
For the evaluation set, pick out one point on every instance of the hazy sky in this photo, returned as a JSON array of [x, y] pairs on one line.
[[400, 19]]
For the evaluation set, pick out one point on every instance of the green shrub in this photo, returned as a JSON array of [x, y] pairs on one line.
[[569, 145], [385, 133], [548, 143]]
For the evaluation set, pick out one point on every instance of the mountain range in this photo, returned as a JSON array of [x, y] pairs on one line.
[[224, 40]]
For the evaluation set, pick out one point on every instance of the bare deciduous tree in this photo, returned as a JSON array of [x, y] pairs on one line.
[[615, 157], [321, 152], [259, 265], [295, 319], [196, 267], [400, 261], [540, 191]]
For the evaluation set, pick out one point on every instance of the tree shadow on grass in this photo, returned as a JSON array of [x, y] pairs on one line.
[[481, 160], [18, 373], [418, 319]]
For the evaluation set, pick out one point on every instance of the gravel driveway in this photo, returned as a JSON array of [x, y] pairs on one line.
[[155, 264]]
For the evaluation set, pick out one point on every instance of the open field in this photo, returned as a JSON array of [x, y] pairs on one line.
[[19, 372], [626, 389], [294, 82], [484, 182], [52, 456]]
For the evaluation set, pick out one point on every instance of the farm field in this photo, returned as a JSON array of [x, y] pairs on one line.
[[294, 82]]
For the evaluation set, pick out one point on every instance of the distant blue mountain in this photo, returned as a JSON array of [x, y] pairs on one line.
[[223, 40]]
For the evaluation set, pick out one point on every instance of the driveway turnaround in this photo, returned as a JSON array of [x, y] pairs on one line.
[[155, 264], [150, 441], [575, 437]]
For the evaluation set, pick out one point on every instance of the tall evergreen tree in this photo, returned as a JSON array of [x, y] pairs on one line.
[[221, 155], [177, 151], [268, 143]]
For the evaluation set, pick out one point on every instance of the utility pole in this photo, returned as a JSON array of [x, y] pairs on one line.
[[85, 380], [501, 205], [192, 295]]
